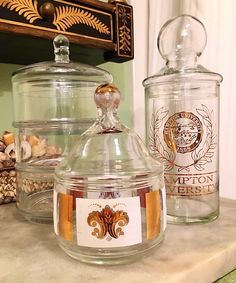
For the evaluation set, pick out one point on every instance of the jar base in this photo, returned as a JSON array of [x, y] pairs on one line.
[[185, 220], [37, 218], [187, 210], [37, 207], [118, 256]]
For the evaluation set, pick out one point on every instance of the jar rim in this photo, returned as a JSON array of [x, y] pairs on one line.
[[83, 72], [165, 78]]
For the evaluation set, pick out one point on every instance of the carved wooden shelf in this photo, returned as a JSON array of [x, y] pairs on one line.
[[98, 31]]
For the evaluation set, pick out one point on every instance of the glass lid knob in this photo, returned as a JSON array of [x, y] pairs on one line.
[[107, 97], [61, 49], [181, 40]]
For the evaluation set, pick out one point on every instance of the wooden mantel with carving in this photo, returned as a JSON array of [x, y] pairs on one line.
[[97, 31]]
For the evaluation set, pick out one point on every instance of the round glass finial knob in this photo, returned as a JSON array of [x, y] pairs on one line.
[[181, 40], [61, 49], [107, 96]]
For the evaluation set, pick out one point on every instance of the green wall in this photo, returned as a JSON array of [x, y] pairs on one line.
[[6, 104], [120, 72]]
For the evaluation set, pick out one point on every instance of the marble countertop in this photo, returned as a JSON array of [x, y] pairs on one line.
[[189, 254]]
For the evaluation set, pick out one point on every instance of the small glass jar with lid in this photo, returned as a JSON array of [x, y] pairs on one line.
[[53, 104], [182, 123], [109, 202]]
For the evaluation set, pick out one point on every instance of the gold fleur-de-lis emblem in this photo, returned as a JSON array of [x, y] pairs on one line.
[[107, 222]]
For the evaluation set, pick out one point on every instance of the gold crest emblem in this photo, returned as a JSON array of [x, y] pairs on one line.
[[183, 133], [183, 130]]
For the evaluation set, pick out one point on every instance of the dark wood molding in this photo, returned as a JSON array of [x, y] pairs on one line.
[[98, 4], [93, 24], [124, 34]]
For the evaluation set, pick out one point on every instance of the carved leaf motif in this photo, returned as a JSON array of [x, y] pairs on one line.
[[169, 166], [206, 115], [155, 144], [67, 16], [125, 38], [183, 168], [202, 161], [205, 155], [198, 167], [161, 115], [125, 32], [27, 8]]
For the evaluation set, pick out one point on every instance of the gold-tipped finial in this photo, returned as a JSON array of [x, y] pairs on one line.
[[107, 96]]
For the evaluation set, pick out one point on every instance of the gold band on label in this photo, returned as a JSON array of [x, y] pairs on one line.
[[66, 216], [153, 214]]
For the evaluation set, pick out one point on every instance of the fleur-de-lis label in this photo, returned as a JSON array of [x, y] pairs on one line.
[[108, 222]]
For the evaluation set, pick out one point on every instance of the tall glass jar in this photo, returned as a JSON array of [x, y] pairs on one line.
[[182, 122], [53, 104], [109, 204]]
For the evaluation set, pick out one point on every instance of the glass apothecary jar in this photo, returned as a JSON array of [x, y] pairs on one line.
[[182, 123], [53, 104], [109, 203]]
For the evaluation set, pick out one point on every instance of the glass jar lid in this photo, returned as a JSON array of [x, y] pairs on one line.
[[108, 149], [62, 67], [180, 42]]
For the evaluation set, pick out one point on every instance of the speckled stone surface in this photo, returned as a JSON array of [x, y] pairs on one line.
[[229, 278], [189, 254]]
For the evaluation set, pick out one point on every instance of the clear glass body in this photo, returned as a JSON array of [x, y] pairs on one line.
[[182, 132], [182, 123], [53, 104], [109, 200], [53, 98], [39, 149], [107, 190]]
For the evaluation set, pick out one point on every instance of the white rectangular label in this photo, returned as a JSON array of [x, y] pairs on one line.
[[104, 223]]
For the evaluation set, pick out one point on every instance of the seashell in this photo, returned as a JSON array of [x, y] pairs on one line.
[[7, 200], [33, 140], [3, 156], [26, 150], [2, 146], [8, 163], [52, 150], [8, 138], [12, 173], [10, 151], [39, 149]]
